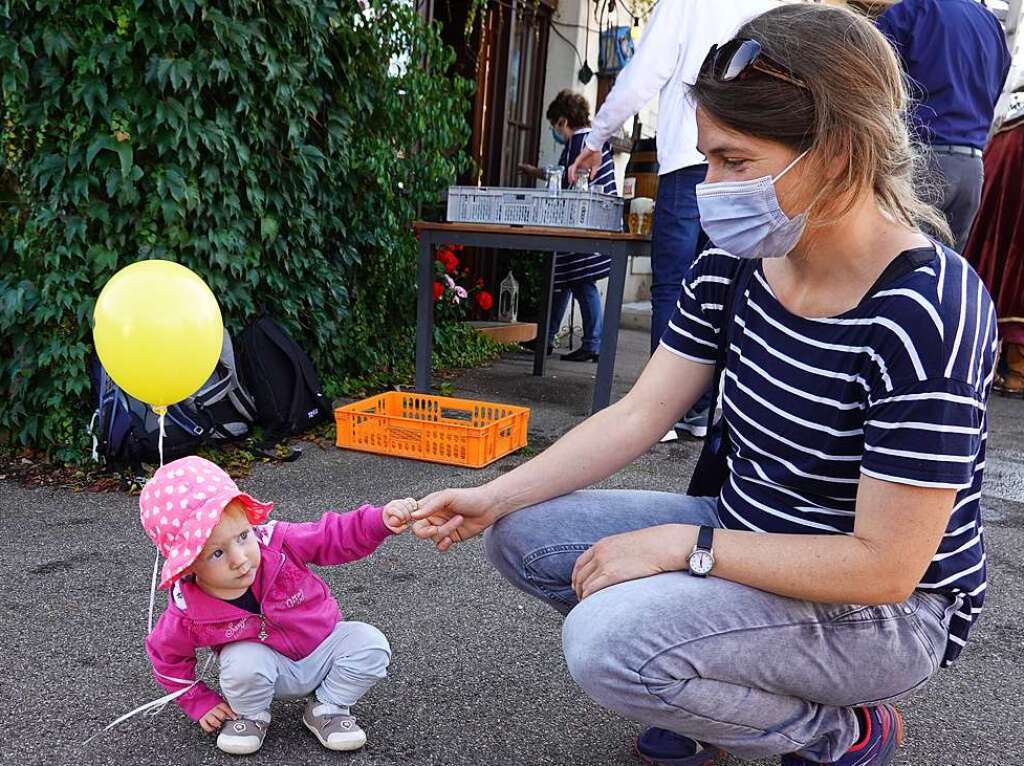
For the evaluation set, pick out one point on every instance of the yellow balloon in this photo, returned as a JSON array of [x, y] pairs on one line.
[[158, 331]]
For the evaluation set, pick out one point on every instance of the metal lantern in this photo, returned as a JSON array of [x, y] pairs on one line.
[[508, 299]]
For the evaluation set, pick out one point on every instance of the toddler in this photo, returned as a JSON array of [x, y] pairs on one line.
[[244, 588]]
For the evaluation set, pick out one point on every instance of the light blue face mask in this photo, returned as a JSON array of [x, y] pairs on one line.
[[557, 136], [744, 218]]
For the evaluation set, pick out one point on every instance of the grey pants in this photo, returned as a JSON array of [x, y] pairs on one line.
[[755, 673], [340, 671], [955, 188]]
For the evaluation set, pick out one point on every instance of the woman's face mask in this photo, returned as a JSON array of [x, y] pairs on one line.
[[557, 135], [744, 217]]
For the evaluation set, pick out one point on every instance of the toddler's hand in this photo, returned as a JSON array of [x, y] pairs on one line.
[[213, 720], [398, 514]]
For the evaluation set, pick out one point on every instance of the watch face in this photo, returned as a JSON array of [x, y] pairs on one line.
[[701, 562]]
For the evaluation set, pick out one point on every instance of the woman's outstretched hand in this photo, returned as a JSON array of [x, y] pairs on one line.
[[453, 516]]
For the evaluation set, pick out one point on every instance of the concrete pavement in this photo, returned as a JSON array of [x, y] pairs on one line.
[[477, 677]]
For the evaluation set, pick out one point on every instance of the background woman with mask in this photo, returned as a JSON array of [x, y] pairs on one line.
[[842, 560], [576, 274]]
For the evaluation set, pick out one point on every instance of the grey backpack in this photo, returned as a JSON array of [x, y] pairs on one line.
[[222, 403]]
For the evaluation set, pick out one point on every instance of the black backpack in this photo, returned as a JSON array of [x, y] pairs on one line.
[[282, 379], [126, 431]]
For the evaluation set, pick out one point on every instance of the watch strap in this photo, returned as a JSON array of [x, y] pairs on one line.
[[705, 536]]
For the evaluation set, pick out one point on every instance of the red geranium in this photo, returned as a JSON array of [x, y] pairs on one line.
[[484, 300], [438, 291], [448, 259]]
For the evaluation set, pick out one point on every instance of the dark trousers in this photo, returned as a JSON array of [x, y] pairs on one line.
[[955, 188], [676, 240]]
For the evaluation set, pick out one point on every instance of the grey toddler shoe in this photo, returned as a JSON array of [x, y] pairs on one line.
[[336, 731], [242, 736]]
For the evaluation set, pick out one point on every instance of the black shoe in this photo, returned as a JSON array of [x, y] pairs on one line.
[[531, 345], [580, 355]]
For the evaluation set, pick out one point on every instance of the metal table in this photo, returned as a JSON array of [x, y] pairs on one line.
[[529, 238]]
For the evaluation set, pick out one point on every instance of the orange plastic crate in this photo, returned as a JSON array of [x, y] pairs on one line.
[[435, 428]]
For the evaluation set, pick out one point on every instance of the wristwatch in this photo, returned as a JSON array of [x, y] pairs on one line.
[[702, 558]]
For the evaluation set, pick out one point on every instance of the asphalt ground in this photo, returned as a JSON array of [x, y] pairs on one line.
[[477, 676]]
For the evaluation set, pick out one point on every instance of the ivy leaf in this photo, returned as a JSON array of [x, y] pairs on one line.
[[101, 142], [55, 44], [91, 92], [163, 66], [268, 228], [180, 73], [124, 153], [104, 259], [51, 169]]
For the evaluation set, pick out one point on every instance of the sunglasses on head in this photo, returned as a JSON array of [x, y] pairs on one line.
[[734, 59]]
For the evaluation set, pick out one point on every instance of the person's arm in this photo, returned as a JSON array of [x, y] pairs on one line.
[[337, 538], [531, 171], [608, 440], [897, 24], [896, 533], [173, 658], [678, 373], [651, 67], [597, 448], [921, 442]]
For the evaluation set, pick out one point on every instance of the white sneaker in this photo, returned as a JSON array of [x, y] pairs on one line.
[[243, 736], [671, 436], [695, 423]]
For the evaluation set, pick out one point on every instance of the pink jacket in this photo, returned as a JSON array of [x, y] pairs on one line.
[[299, 611]]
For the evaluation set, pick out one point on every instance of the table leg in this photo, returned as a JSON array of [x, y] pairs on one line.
[[610, 335], [540, 350], [424, 314]]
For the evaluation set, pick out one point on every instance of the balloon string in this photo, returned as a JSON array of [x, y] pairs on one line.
[[154, 707], [152, 593], [161, 413]]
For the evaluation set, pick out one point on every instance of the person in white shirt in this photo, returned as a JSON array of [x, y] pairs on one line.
[[668, 58]]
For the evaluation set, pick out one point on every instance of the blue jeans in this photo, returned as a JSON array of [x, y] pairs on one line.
[[752, 672], [589, 298], [676, 240]]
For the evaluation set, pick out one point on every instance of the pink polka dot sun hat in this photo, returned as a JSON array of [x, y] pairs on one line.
[[182, 504]]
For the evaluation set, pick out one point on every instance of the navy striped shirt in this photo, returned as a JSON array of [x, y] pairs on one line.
[[896, 388], [583, 267]]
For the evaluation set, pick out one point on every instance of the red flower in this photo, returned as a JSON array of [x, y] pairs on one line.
[[438, 291], [484, 300], [448, 259]]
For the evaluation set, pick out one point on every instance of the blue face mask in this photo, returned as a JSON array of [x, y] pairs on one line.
[[744, 218], [557, 136]]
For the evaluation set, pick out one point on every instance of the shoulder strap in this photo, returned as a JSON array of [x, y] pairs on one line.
[[737, 287], [901, 265]]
